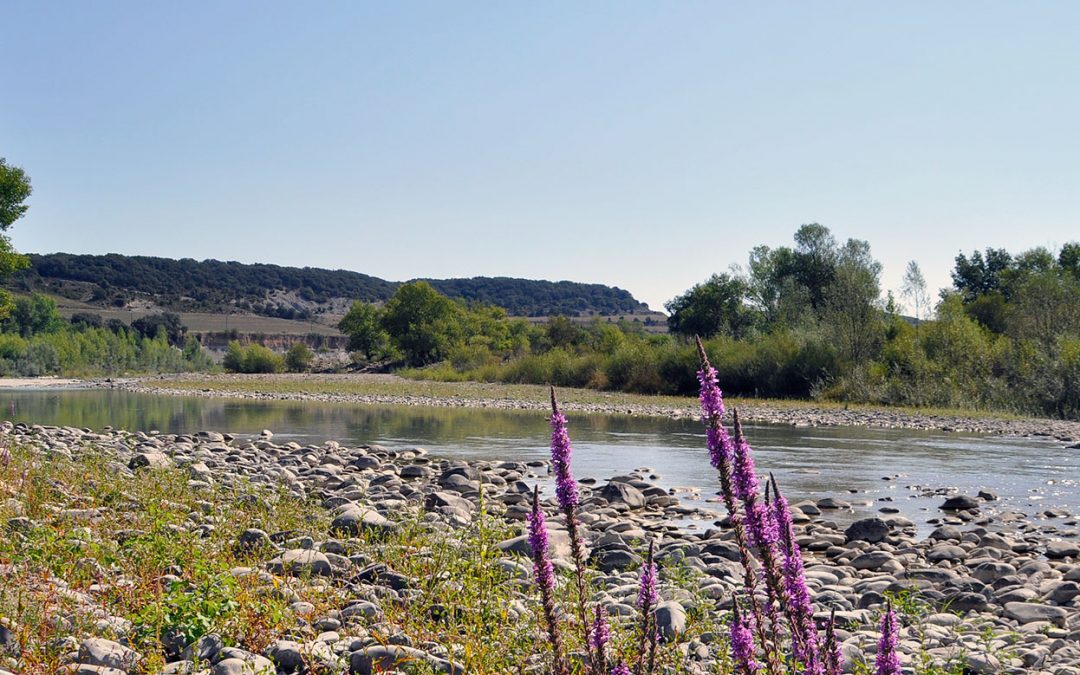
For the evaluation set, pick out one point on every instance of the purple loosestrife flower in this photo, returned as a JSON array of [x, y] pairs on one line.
[[800, 607], [620, 669], [646, 602], [599, 637], [833, 659], [742, 643], [887, 662], [647, 596], [600, 633], [743, 473], [712, 412], [538, 541], [545, 579], [566, 490]]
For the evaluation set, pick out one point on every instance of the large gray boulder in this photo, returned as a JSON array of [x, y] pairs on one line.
[[1029, 612], [670, 620], [301, 563], [102, 652], [623, 493], [380, 658], [872, 530], [353, 519]]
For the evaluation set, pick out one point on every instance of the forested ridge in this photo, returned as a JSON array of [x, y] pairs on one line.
[[287, 292]]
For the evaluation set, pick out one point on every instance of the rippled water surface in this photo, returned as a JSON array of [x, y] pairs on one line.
[[1029, 474]]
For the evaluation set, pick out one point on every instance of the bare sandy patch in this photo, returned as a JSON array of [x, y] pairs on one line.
[[35, 382]]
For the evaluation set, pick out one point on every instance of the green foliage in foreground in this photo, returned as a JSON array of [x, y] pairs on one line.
[[159, 551], [126, 575], [465, 599]]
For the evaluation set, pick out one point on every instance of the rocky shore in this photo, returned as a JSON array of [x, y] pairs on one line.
[[789, 413], [981, 594]]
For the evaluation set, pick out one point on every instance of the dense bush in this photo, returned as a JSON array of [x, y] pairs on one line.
[[253, 358], [298, 358]]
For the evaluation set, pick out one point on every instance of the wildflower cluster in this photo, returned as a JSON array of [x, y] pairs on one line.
[[772, 628], [595, 633]]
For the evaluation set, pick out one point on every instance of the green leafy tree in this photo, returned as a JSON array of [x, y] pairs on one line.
[[422, 323], [233, 360], [168, 322], [980, 274], [33, 315], [790, 285], [851, 310], [1069, 259], [562, 332], [363, 325], [715, 307], [298, 358], [14, 190]]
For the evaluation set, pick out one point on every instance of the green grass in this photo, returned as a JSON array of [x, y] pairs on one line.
[[461, 603], [125, 575]]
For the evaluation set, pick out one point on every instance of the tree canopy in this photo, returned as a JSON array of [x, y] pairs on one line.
[[717, 306], [15, 189]]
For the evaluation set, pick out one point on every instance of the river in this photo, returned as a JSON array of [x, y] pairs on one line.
[[852, 463]]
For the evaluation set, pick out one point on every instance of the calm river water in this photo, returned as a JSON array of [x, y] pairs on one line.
[[1028, 474]]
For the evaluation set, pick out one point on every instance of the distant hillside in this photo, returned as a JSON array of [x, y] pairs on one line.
[[286, 292]]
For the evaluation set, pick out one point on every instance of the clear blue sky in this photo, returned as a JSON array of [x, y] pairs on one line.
[[644, 145]]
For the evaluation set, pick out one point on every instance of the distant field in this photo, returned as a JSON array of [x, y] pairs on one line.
[[207, 322], [659, 324], [204, 322]]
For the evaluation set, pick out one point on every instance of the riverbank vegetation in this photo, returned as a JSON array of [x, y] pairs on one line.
[[807, 321], [35, 341]]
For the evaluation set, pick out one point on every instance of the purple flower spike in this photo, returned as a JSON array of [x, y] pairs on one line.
[[545, 579], [800, 606], [743, 473], [887, 662], [834, 661], [742, 643], [538, 541], [600, 633], [712, 412], [620, 669], [647, 595], [566, 490]]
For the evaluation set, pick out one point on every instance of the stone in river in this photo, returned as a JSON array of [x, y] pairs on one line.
[[960, 503], [832, 503], [1057, 550], [872, 530], [623, 493], [151, 460]]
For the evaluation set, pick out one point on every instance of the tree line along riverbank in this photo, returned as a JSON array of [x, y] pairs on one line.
[[805, 322]]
